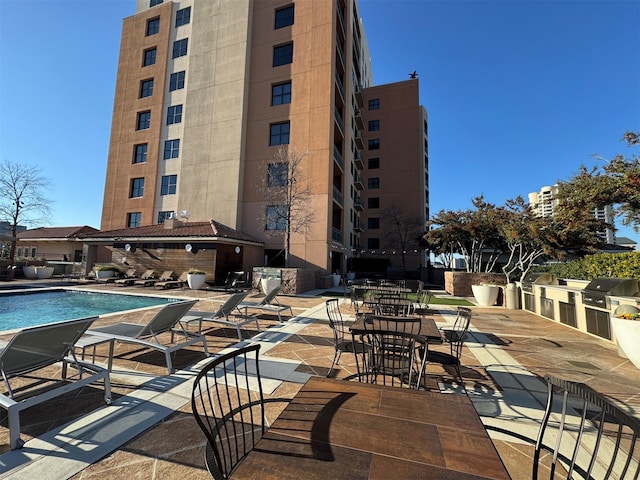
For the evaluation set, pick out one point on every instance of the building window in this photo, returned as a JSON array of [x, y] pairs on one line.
[[171, 149], [146, 88], [373, 223], [276, 217], [279, 134], [137, 187], [153, 26], [373, 183], [281, 93], [183, 16], [134, 219], [277, 174], [373, 163], [374, 144], [374, 104], [373, 243], [180, 48], [169, 183], [166, 215], [144, 120], [283, 54], [174, 114], [284, 17], [374, 125], [149, 57], [176, 81], [153, 3], [373, 202], [140, 153]]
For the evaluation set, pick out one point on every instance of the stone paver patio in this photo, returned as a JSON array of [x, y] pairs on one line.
[[149, 432]]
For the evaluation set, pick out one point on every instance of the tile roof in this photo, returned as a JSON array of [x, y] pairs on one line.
[[56, 232], [205, 230]]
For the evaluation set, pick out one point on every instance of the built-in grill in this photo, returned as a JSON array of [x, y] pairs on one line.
[[529, 281], [598, 291], [597, 302], [538, 279]]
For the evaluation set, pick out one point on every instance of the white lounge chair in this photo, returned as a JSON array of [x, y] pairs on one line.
[[227, 314], [268, 304], [38, 347], [163, 322], [165, 284]]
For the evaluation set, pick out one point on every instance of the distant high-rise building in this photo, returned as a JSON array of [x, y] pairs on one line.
[[207, 91], [545, 201]]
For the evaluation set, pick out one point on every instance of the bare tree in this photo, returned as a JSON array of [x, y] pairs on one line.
[[402, 230], [287, 196], [22, 199]]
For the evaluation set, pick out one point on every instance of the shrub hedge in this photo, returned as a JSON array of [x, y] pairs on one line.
[[618, 265]]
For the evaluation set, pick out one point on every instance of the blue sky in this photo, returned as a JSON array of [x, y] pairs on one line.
[[519, 93]]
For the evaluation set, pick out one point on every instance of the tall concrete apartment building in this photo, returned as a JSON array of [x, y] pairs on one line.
[[545, 201], [207, 92]]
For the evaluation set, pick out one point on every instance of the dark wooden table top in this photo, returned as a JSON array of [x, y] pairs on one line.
[[335, 429], [428, 327]]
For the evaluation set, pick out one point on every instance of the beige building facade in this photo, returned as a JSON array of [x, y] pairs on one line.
[[208, 91]]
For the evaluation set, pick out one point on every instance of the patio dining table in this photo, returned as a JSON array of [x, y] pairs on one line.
[[350, 430], [428, 327]]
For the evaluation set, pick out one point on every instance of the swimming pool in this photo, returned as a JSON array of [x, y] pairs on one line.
[[26, 309]]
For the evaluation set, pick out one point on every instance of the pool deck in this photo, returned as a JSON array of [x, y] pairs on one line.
[[149, 428]]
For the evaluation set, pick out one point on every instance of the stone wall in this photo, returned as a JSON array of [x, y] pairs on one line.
[[294, 280]]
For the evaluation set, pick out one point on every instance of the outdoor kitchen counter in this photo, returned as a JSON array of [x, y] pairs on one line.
[[564, 304]]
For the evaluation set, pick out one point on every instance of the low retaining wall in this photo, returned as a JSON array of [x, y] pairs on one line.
[[459, 283]]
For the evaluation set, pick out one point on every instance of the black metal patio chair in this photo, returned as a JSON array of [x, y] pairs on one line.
[[227, 401], [341, 333], [585, 435], [455, 337]]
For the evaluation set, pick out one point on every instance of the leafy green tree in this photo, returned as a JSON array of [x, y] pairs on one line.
[[616, 183], [472, 233], [530, 237]]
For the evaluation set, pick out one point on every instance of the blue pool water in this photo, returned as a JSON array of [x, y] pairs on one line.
[[38, 308]]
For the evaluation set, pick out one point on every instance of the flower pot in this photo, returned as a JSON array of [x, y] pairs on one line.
[[44, 272], [29, 271], [269, 284], [196, 280], [104, 274], [351, 276], [627, 335], [485, 295], [336, 279]]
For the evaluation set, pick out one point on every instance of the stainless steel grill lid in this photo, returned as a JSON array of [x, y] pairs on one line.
[[619, 287], [541, 279]]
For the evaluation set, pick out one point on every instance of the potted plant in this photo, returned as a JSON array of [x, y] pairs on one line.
[[105, 271], [29, 271], [196, 278], [625, 324], [268, 283], [485, 294], [44, 272]]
